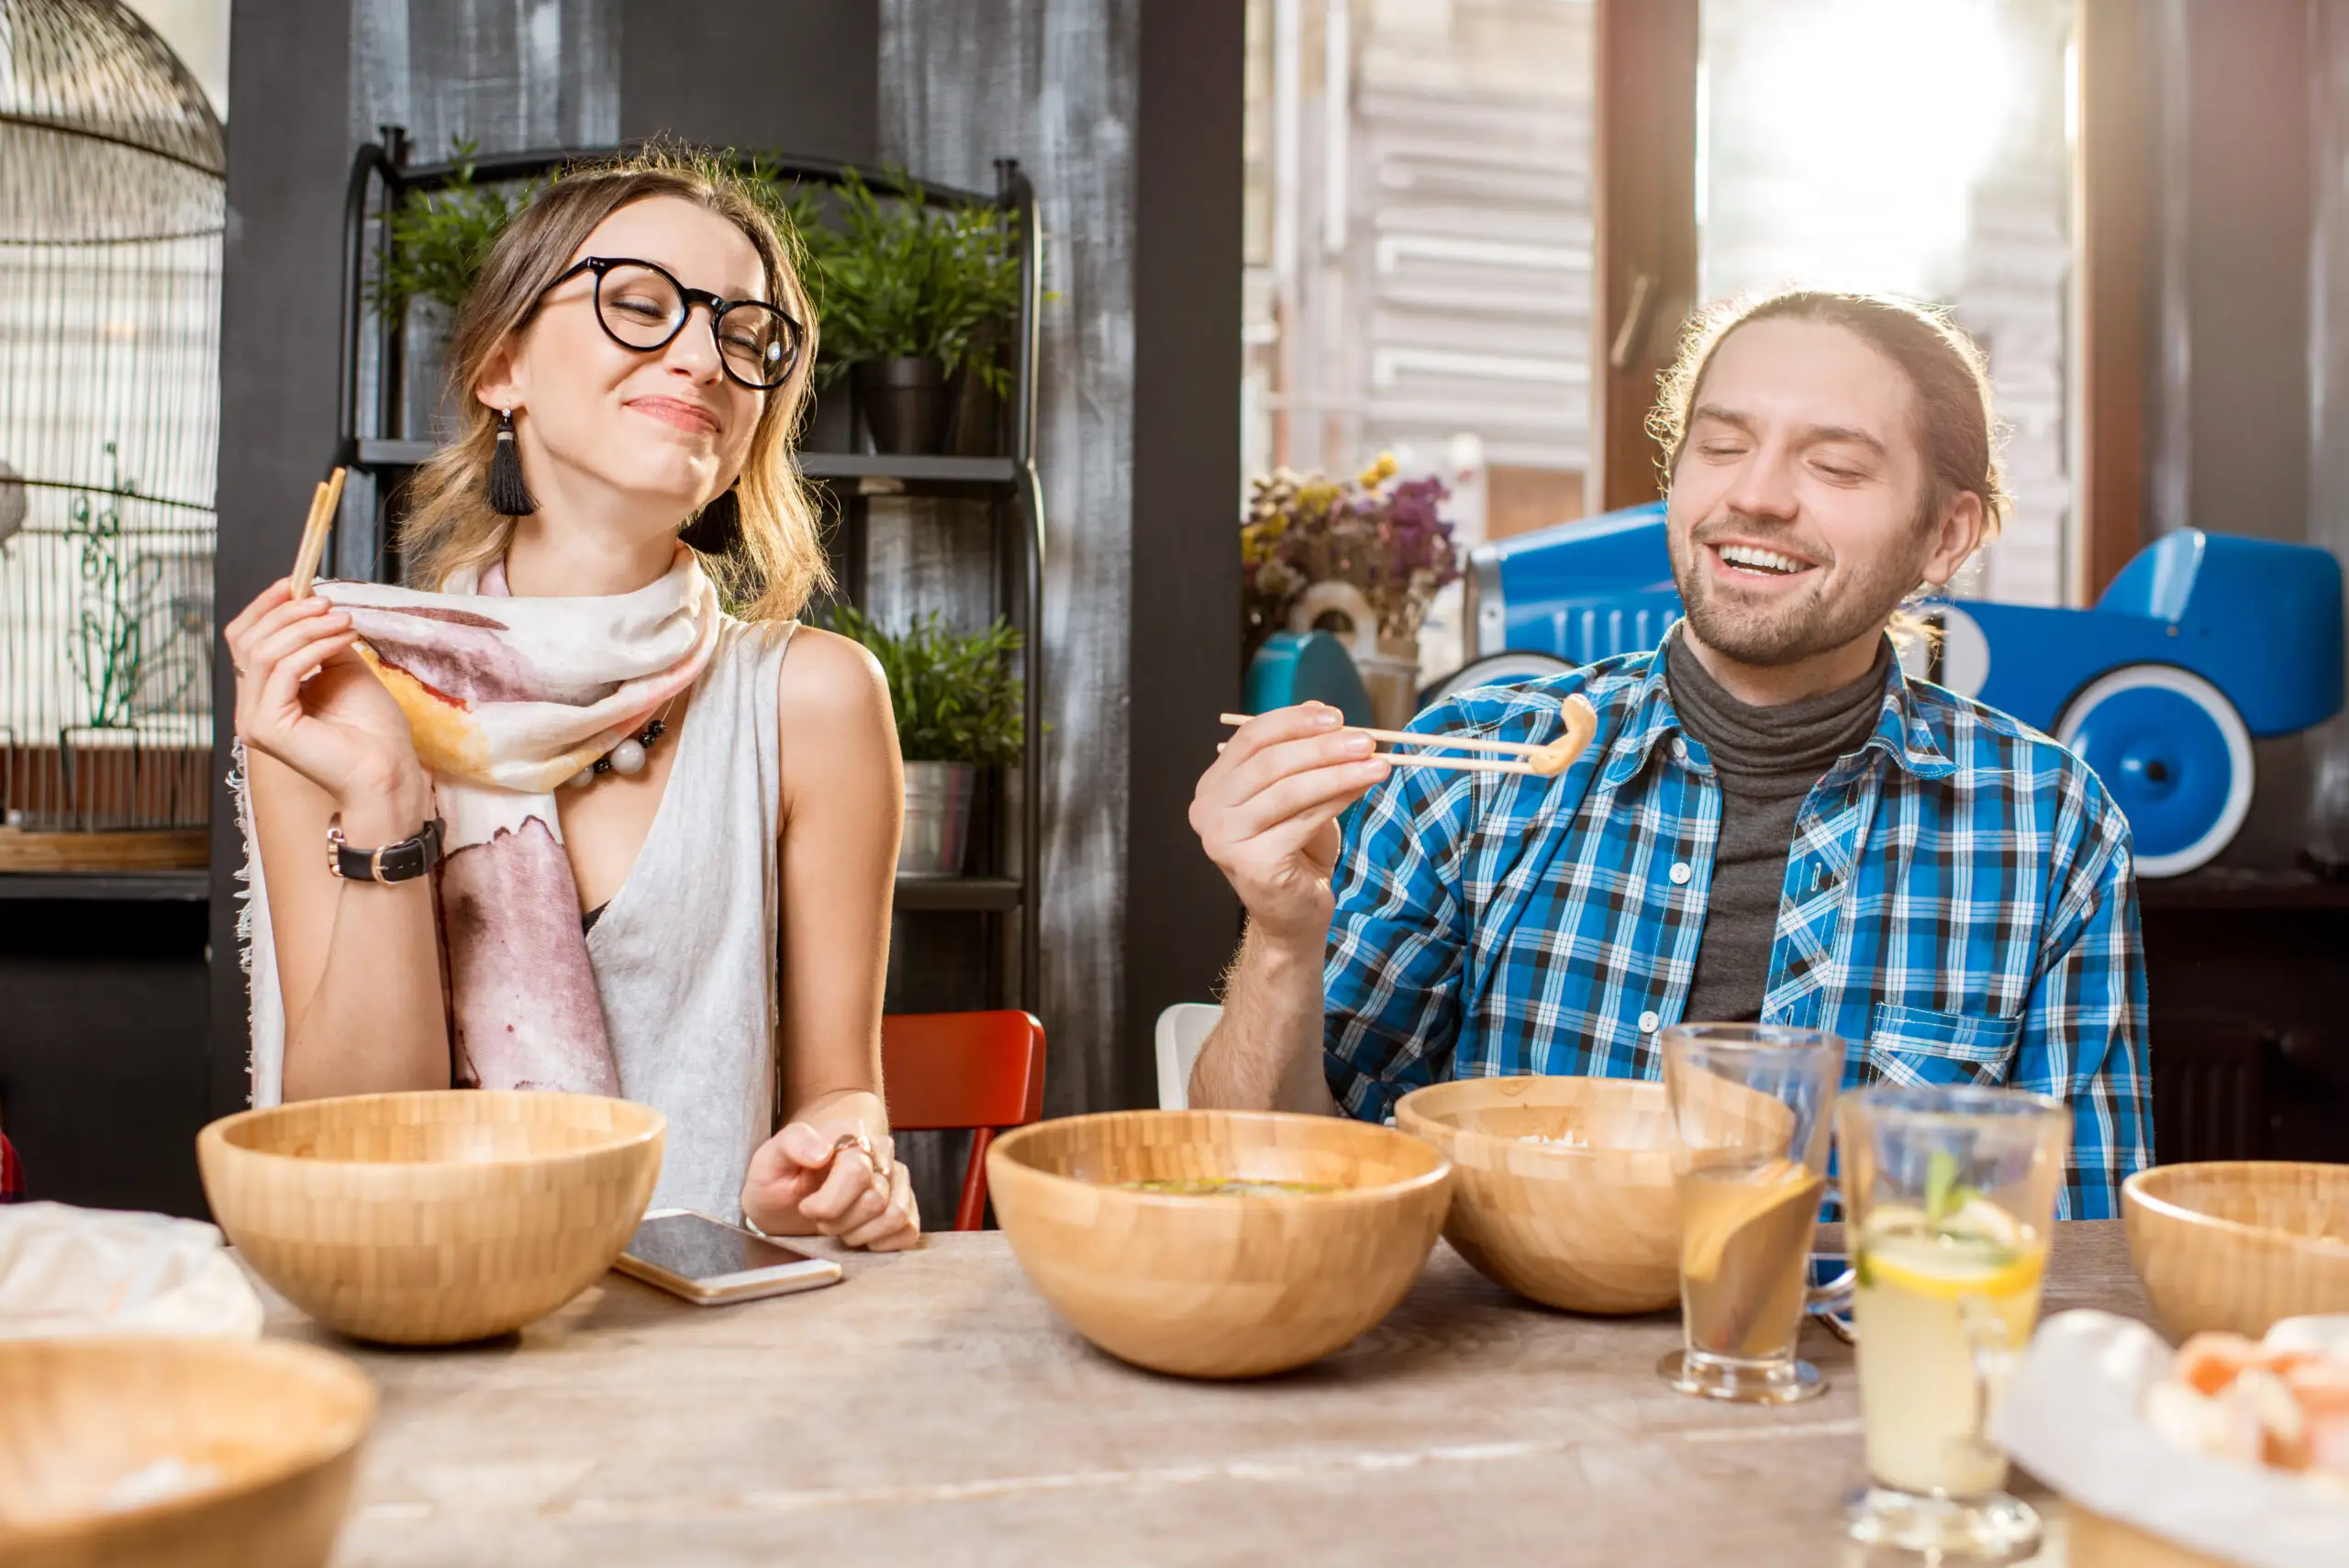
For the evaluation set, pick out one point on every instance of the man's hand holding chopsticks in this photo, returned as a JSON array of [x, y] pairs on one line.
[[1267, 814]]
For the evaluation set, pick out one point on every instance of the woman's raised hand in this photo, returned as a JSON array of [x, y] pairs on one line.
[[303, 697], [834, 1179]]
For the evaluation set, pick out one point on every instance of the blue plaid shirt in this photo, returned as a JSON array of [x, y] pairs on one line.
[[1958, 904]]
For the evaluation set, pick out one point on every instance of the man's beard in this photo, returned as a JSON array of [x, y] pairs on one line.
[[1832, 610]]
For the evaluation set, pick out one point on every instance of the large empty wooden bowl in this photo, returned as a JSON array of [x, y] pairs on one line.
[[433, 1218], [1223, 1285], [1594, 1229], [2236, 1244], [175, 1452]]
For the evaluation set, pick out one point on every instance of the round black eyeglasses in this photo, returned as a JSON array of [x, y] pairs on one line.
[[642, 307]]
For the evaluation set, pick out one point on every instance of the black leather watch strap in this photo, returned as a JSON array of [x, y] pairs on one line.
[[403, 862]]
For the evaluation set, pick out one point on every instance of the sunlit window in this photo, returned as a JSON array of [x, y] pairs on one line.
[[1918, 146], [1419, 233]]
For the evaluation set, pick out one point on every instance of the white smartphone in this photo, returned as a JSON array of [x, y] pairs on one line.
[[709, 1262]]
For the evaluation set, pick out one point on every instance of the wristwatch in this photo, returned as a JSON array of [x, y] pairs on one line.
[[403, 862]]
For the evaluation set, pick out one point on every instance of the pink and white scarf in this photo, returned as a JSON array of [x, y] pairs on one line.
[[507, 699]]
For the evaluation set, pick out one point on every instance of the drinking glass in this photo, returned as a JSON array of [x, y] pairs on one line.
[[1951, 1194], [1750, 1127]]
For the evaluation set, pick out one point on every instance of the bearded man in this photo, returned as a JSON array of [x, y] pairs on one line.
[[1774, 823]]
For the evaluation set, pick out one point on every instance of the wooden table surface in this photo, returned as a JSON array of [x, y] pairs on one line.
[[931, 1409]]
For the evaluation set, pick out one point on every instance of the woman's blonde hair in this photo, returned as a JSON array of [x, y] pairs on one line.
[[778, 559]]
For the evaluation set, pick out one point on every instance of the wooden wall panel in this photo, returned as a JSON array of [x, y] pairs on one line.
[[1051, 82], [506, 75], [2228, 381], [2327, 749], [752, 73], [279, 306], [1185, 661], [2113, 206], [1644, 270]]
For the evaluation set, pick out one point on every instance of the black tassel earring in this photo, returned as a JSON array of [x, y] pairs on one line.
[[507, 495], [717, 527]]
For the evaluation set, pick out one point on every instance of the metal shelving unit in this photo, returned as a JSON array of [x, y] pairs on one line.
[[374, 441], [110, 887]]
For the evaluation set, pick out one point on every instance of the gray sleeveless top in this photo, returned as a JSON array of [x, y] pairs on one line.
[[685, 952]]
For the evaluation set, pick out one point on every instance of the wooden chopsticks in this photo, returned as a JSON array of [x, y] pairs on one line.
[[323, 502], [1516, 756]]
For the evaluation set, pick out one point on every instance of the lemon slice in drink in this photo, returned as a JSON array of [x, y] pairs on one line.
[[1989, 1259], [1754, 1195]]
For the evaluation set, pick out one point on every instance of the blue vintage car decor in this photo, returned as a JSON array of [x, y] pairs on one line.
[[2203, 643]]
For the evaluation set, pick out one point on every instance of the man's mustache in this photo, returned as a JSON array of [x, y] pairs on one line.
[[1768, 535]]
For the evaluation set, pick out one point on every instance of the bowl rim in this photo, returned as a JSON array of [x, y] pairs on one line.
[[215, 1134], [2132, 1190], [1544, 1150], [344, 1437], [1383, 1192]]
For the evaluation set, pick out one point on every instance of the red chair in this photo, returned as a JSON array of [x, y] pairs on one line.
[[948, 1072]]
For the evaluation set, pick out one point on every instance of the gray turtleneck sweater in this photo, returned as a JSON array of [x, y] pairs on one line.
[[1766, 760]]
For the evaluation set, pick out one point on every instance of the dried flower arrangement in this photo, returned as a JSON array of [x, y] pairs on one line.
[[1386, 537]]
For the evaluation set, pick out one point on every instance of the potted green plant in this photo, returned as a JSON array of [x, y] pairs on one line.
[[439, 241], [958, 707], [913, 296]]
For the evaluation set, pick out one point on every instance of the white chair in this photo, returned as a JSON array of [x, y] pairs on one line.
[[1182, 1029]]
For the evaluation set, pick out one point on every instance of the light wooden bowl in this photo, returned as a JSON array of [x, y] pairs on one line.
[[433, 1218], [1590, 1229], [1217, 1285], [2236, 1244], [269, 1434]]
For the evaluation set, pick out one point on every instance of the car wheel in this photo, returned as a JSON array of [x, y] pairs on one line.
[[2173, 753], [1495, 669]]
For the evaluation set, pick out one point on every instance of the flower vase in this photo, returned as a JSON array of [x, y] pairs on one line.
[[1391, 675]]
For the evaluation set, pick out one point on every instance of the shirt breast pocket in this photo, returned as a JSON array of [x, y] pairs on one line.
[[1917, 1046]]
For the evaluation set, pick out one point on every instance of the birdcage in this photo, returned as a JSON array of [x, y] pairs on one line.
[[111, 197]]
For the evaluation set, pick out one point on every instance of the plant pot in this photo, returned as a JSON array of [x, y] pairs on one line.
[[976, 427], [906, 403], [831, 419], [937, 818], [1391, 676]]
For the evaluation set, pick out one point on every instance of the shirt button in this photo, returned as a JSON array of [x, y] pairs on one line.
[[1680, 747], [1648, 1022], [1680, 873]]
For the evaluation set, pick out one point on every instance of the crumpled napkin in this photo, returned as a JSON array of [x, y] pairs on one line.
[[86, 1271], [2074, 1415]]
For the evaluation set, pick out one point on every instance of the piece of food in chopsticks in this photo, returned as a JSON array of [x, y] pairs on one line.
[[1544, 761]]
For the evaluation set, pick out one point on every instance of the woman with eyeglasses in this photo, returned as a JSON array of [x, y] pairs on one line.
[[546, 816]]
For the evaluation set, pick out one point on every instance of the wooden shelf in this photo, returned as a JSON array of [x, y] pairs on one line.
[[929, 894], [75, 853], [125, 887], [909, 470], [394, 454]]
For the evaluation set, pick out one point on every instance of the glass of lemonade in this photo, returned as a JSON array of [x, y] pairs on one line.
[[1750, 1127], [1951, 1195]]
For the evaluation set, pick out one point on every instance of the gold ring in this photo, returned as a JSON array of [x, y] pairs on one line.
[[863, 1145]]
